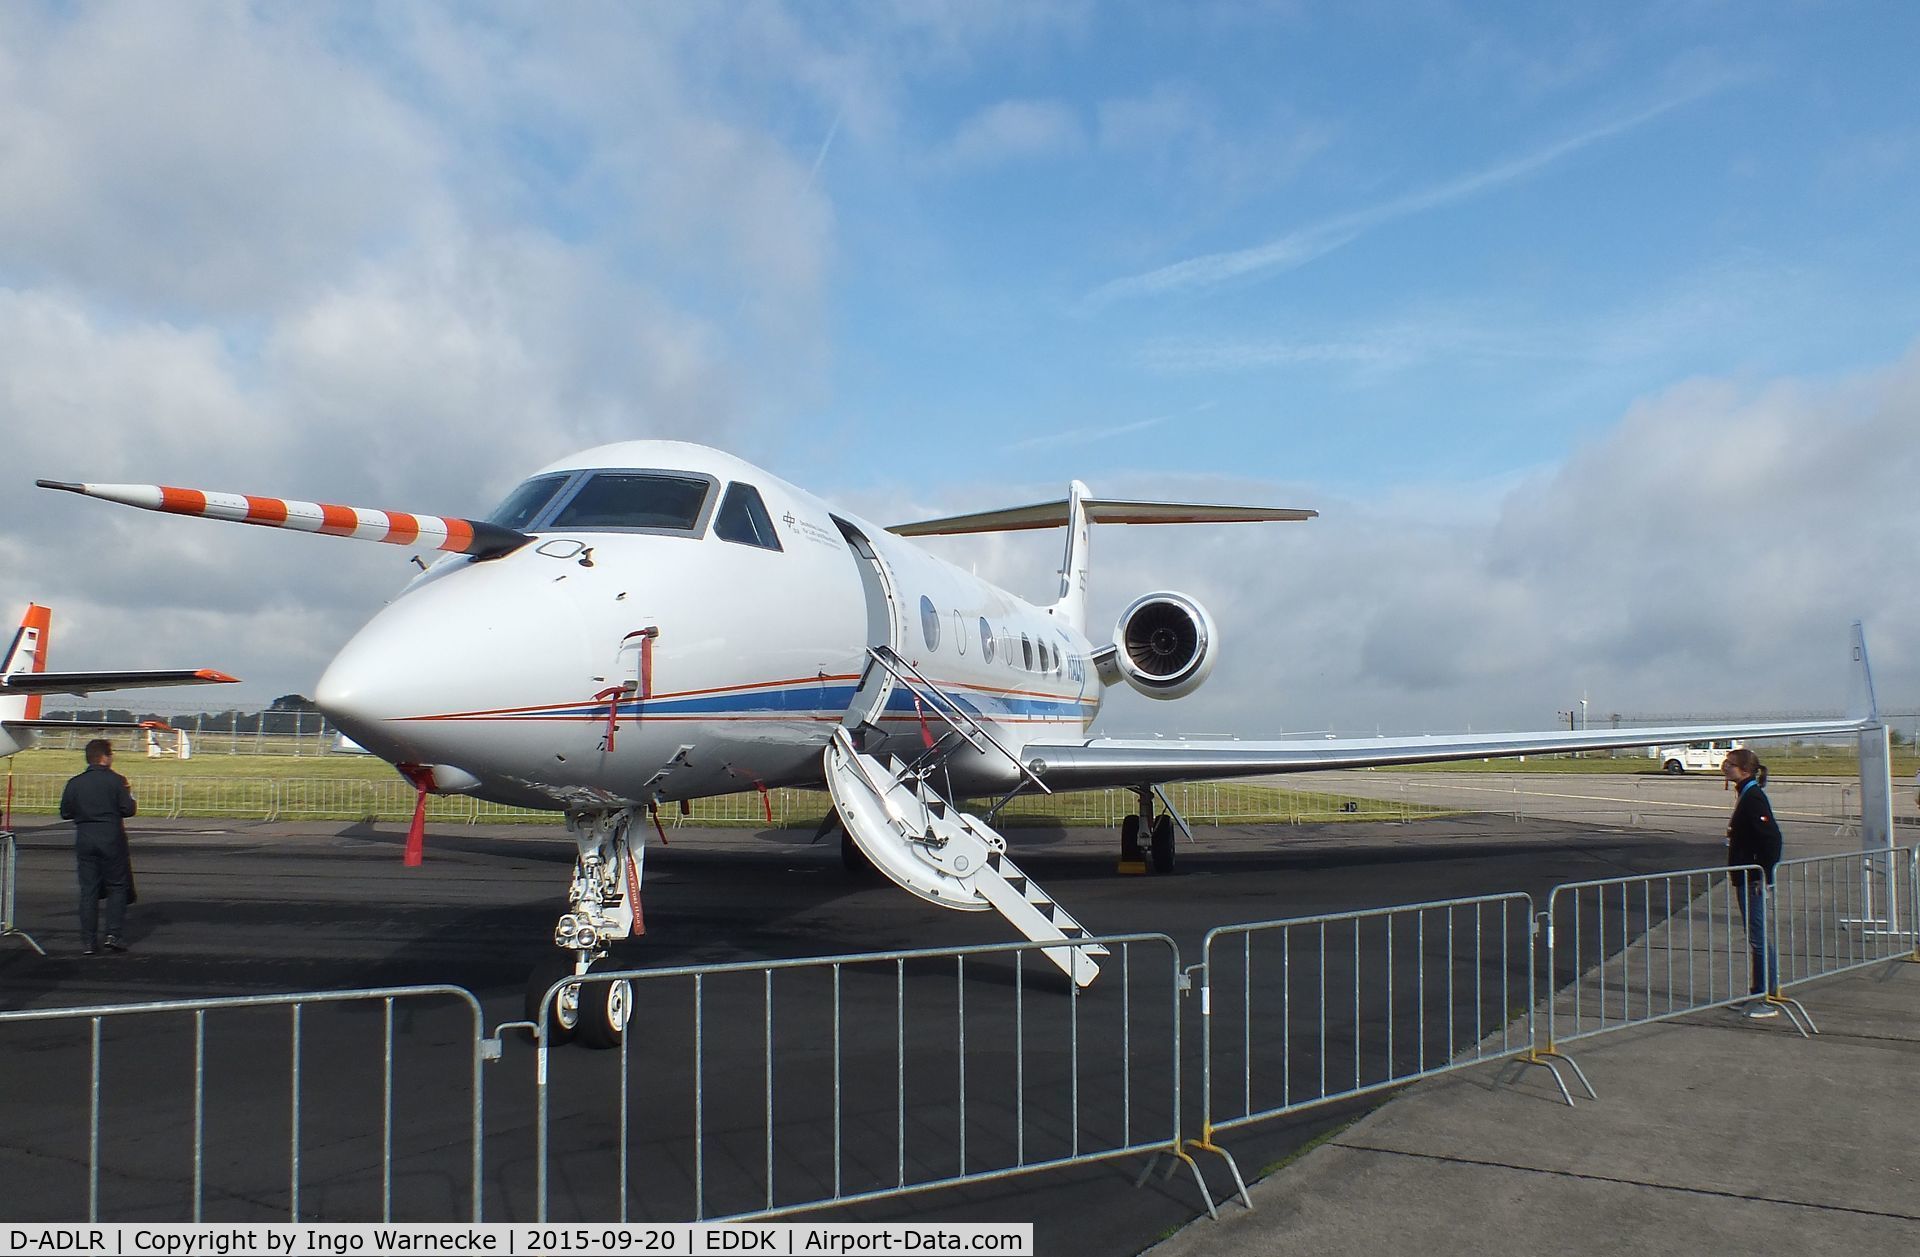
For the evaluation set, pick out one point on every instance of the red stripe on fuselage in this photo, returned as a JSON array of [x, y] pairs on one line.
[[718, 689]]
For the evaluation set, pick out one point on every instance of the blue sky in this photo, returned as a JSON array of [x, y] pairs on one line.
[[1535, 303], [1356, 245]]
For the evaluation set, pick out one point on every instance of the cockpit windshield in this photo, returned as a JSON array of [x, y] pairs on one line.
[[652, 500], [525, 503]]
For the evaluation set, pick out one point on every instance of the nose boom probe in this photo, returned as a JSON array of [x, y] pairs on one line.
[[443, 532]]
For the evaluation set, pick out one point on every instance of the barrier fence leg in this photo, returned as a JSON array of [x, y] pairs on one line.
[[1796, 1011], [1204, 973], [1176, 1155], [1205, 1144], [1535, 1054], [9, 877], [1545, 1058]]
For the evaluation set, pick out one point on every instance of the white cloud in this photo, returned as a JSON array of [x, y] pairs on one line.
[[1013, 130], [204, 156], [1303, 244], [1705, 554], [394, 261]]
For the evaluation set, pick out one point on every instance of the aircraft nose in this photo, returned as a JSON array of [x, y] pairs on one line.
[[374, 685], [471, 642]]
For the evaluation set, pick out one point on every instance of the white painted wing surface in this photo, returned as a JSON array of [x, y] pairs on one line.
[[83, 683], [1102, 762]]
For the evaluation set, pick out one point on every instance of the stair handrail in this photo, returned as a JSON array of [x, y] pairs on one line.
[[955, 715]]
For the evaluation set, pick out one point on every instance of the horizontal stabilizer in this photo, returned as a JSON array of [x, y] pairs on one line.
[[82, 683], [1098, 511], [442, 532]]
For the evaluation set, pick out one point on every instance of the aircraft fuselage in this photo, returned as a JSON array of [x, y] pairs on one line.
[[501, 673]]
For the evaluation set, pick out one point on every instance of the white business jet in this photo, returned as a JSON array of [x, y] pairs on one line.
[[651, 622], [25, 683]]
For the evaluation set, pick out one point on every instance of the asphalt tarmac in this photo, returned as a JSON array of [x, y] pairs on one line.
[[257, 908]]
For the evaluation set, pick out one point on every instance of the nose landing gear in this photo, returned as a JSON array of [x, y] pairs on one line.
[[603, 908]]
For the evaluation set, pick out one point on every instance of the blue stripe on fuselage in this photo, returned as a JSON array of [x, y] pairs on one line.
[[804, 699]]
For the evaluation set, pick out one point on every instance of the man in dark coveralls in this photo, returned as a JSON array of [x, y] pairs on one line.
[[98, 803]]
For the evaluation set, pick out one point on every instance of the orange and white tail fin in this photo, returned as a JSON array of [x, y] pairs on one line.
[[27, 653]]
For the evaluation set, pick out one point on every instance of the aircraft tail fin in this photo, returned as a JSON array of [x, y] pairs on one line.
[[1080, 509], [27, 653]]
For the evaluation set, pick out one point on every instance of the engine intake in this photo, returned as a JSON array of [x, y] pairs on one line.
[[1163, 645]]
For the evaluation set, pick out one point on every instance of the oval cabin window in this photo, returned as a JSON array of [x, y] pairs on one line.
[[929, 624]]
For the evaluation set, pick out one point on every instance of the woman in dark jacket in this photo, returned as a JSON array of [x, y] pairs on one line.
[[1753, 837]]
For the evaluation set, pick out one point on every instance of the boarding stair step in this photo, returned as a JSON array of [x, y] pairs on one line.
[[919, 840]]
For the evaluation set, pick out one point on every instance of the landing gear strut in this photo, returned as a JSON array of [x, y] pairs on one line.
[[603, 906], [1158, 830]]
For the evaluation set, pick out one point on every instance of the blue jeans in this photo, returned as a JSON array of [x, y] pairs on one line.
[[1766, 959]]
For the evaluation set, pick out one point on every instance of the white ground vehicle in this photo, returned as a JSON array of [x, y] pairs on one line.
[[1694, 757]]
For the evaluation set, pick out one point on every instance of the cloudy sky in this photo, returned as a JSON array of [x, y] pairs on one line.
[[1592, 332]]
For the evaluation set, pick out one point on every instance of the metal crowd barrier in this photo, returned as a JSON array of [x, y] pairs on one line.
[[9, 879], [1633, 950], [390, 798], [1293, 1016], [1835, 913], [1628, 951], [879, 1074], [128, 1129]]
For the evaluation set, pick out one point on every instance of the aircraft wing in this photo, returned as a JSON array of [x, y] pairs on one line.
[[85, 724], [1100, 762], [83, 683]]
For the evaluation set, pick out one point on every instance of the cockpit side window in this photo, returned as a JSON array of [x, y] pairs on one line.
[[644, 501], [525, 503], [743, 518]]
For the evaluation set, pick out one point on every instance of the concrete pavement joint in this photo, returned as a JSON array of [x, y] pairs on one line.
[[1826, 1036], [1626, 1182]]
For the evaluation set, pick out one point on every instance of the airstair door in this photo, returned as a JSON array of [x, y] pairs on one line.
[[883, 629], [927, 846]]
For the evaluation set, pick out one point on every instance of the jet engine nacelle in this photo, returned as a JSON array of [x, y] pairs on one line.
[[1163, 646]]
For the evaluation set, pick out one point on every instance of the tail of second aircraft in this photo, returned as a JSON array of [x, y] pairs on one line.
[[27, 653]]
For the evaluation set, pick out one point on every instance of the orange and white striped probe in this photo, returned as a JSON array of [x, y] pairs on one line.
[[442, 532]]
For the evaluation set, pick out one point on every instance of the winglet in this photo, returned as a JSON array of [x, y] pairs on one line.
[[1861, 704]]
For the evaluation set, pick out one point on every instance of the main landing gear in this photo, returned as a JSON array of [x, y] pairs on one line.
[[1159, 833], [603, 905]]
